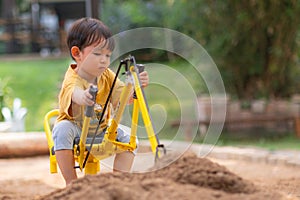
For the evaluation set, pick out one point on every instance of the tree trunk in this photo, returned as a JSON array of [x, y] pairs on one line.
[[22, 144]]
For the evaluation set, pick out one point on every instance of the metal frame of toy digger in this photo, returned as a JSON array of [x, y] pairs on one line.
[[89, 155]]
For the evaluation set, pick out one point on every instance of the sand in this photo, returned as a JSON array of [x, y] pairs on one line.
[[189, 177]]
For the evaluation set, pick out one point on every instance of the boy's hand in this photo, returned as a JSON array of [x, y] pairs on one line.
[[82, 97], [144, 78], [88, 98]]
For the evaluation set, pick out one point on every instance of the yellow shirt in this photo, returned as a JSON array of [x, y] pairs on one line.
[[71, 111]]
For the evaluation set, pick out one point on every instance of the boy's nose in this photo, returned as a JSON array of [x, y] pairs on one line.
[[103, 59]]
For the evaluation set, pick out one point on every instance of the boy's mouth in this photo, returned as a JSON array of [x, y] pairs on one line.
[[101, 68]]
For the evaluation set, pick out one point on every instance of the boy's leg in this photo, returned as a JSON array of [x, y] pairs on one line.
[[123, 161], [66, 163], [64, 133]]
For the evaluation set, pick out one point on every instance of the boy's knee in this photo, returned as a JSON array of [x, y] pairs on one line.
[[64, 133], [124, 134]]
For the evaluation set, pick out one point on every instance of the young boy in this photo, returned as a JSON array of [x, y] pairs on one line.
[[90, 45]]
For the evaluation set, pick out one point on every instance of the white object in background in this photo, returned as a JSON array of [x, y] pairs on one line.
[[6, 114], [15, 119], [19, 120], [16, 105]]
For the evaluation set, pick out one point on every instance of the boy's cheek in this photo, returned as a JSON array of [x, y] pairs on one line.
[[90, 60]]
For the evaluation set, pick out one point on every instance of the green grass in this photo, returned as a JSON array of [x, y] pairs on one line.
[[36, 82]]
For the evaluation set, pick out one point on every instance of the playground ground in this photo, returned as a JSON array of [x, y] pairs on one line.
[[29, 178]]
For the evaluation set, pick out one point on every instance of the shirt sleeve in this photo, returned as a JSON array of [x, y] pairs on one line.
[[66, 109], [65, 99]]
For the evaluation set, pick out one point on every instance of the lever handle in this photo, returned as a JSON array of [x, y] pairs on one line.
[[90, 109]]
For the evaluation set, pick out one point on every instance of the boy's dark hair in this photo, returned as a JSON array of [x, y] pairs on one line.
[[86, 31]]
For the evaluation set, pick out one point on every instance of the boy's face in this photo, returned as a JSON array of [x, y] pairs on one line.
[[94, 59]]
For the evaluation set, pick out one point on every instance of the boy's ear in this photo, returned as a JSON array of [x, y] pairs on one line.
[[75, 51]]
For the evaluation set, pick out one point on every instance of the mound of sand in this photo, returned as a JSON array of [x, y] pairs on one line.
[[189, 177]]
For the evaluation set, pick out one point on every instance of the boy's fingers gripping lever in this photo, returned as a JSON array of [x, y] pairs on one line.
[[90, 109]]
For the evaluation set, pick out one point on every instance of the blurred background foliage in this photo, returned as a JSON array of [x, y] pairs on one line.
[[255, 44]]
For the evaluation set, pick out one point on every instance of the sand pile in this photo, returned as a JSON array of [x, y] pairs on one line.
[[189, 177]]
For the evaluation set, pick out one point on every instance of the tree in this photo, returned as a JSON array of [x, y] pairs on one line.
[[254, 43]]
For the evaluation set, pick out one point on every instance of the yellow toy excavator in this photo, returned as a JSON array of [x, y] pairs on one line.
[[88, 154]]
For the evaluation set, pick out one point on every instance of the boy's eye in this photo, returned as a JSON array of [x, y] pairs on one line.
[[97, 54]]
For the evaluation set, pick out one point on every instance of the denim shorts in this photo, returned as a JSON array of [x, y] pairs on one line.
[[65, 131]]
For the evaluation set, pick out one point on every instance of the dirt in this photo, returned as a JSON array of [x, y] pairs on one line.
[[189, 177]]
